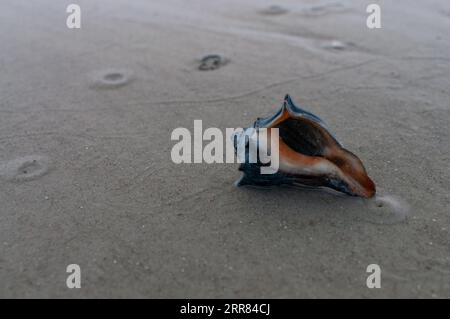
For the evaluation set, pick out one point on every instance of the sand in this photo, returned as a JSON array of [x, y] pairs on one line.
[[86, 175]]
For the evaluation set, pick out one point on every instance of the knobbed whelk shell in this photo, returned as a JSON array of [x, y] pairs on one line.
[[309, 155]]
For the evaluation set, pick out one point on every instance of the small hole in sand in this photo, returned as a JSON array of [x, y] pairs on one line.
[[112, 77], [386, 209], [24, 168], [274, 10], [30, 167], [212, 62]]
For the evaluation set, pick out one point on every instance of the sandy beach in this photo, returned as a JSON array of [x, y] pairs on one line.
[[86, 175]]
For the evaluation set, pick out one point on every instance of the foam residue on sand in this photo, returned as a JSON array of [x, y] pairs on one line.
[[385, 209]]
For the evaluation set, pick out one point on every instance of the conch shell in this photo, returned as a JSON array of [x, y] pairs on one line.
[[309, 155]]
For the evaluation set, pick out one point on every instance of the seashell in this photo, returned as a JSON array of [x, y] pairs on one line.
[[309, 155]]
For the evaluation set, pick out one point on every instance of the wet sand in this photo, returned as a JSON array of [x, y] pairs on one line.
[[86, 175]]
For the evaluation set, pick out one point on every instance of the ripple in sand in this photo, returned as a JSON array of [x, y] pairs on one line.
[[212, 62], [336, 45], [111, 79], [385, 210], [274, 10], [24, 168], [323, 9], [445, 13]]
